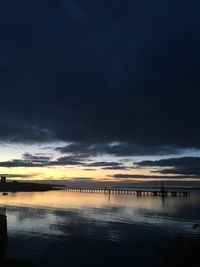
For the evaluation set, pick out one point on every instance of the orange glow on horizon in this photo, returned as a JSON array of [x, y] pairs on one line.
[[73, 173]]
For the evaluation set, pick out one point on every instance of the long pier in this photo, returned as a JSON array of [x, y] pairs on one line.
[[130, 191]]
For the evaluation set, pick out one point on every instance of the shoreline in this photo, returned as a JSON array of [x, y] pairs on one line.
[[15, 186], [28, 187]]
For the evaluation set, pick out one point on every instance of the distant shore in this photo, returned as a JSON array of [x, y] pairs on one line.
[[16, 186]]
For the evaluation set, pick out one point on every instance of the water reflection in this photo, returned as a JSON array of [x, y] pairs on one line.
[[3, 235], [47, 222], [4, 260], [42, 212]]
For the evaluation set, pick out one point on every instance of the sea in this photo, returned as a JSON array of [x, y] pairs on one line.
[[61, 228]]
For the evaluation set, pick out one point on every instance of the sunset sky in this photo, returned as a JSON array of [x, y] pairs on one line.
[[99, 91]]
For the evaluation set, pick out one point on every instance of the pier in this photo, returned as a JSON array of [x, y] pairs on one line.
[[130, 191]]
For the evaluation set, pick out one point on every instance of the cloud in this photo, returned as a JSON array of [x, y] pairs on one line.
[[116, 168], [19, 163], [84, 73], [171, 162], [103, 164], [140, 176], [187, 170], [41, 158], [33, 160], [30, 160], [182, 166], [107, 165], [117, 149], [67, 160]]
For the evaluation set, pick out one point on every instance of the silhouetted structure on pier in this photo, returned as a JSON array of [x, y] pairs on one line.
[[3, 179]]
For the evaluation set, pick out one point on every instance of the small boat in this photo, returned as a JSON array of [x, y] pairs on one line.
[[4, 193]]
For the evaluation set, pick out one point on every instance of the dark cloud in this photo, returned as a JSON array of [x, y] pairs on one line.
[[171, 162], [187, 170], [115, 168], [182, 166], [36, 158], [141, 176], [107, 165], [100, 71], [103, 164], [32, 160], [20, 163], [68, 160], [116, 149], [29, 160]]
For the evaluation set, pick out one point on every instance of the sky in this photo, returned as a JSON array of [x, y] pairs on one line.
[[100, 91]]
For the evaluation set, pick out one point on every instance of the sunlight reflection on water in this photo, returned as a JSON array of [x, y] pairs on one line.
[[56, 215], [42, 213]]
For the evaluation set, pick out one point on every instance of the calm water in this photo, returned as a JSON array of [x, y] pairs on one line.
[[48, 228]]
